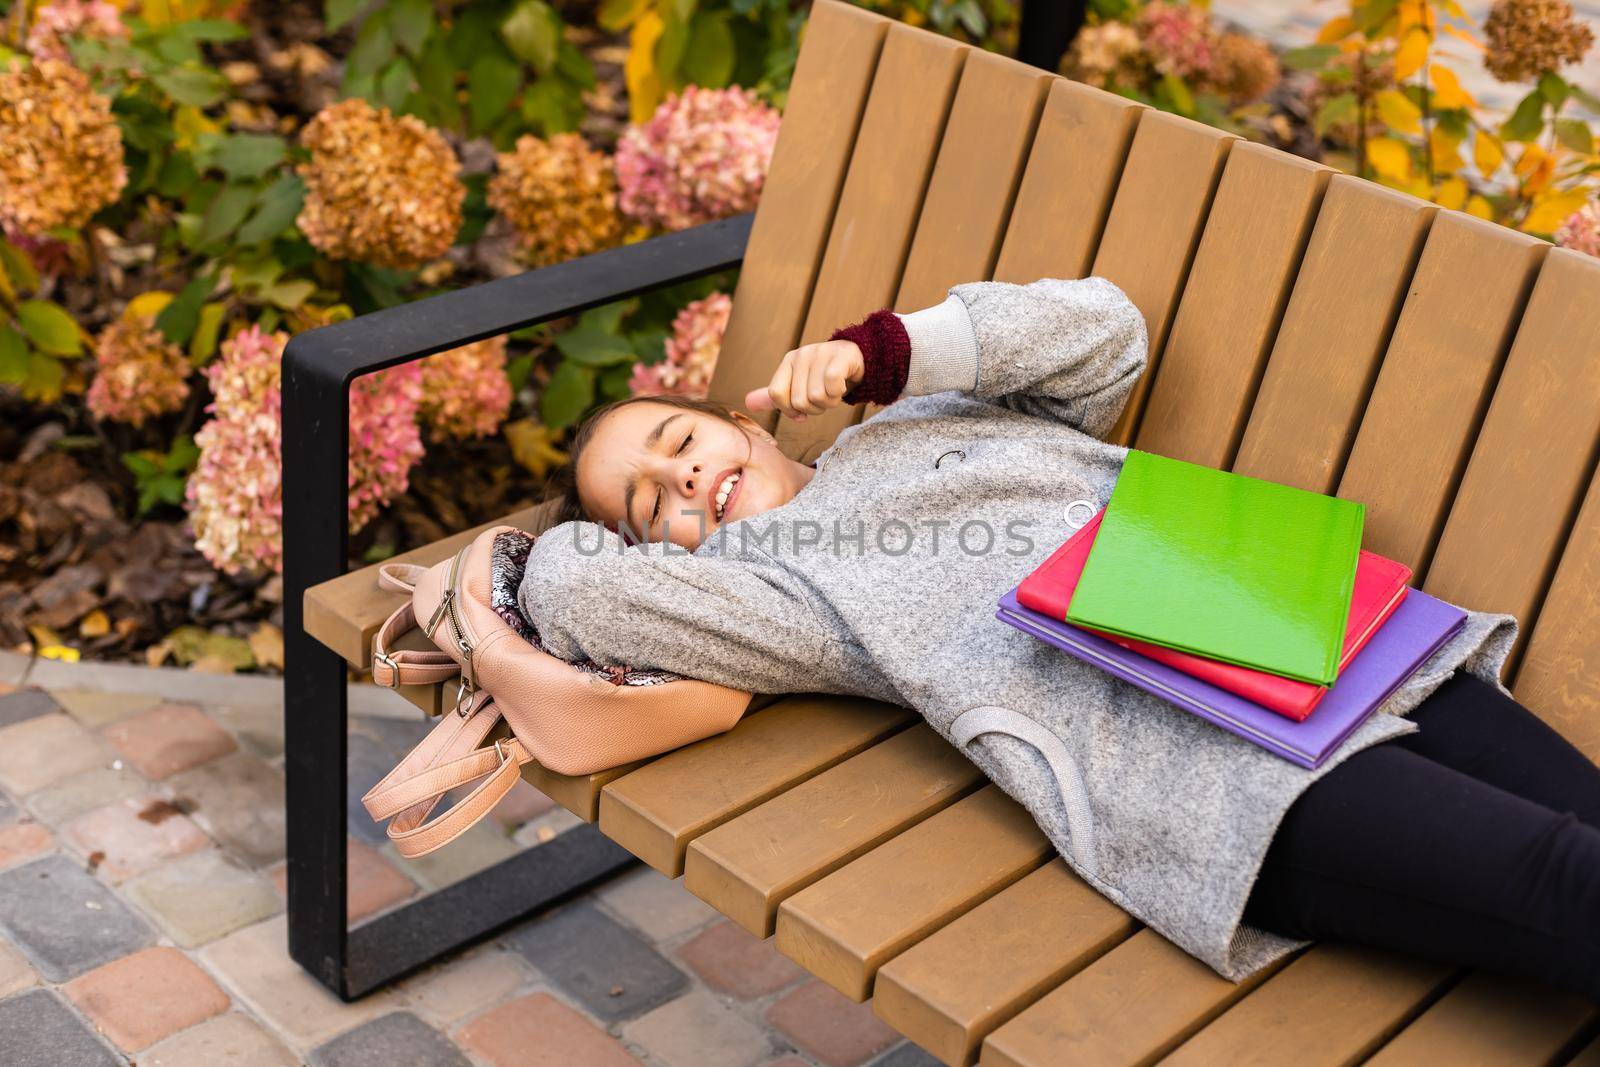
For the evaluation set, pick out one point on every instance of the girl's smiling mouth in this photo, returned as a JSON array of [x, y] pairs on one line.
[[724, 491]]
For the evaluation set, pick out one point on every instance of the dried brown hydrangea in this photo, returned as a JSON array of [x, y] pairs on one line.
[[139, 374], [1245, 68], [559, 195], [379, 189], [1526, 38], [62, 158]]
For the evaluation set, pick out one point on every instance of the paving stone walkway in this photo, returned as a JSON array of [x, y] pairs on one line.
[[141, 911]]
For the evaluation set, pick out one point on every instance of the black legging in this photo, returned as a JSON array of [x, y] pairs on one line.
[[1475, 840]]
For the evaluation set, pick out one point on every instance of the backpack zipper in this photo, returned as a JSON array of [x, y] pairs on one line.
[[464, 638]]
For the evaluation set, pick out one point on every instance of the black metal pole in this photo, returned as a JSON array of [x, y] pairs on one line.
[[1048, 27]]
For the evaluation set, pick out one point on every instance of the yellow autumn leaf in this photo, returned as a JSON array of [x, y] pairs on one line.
[[1487, 154], [1389, 157], [64, 653], [151, 303], [1398, 112], [1479, 205], [1455, 11], [1551, 210], [1458, 32], [1411, 54], [188, 123], [1535, 167], [1336, 29], [1445, 149], [644, 80], [1447, 91], [533, 446], [1452, 194], [95, 624]]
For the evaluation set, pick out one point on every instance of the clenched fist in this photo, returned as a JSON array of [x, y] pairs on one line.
[[810, 380]]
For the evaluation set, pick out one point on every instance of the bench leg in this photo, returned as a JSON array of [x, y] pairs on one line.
[[354, 962]]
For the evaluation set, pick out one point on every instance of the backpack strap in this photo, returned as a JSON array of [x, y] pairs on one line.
[[407, 666], [450, 756]]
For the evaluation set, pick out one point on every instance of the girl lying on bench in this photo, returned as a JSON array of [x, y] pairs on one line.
[[1471, 837]]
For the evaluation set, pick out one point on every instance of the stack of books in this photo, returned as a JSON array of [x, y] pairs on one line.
[[1248, 603]]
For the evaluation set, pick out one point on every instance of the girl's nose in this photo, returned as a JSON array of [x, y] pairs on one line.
[[689, 479]]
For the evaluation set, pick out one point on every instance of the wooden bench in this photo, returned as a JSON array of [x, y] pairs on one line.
[[1306, 327]]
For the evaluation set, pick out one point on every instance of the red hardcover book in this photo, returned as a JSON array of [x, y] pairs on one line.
[[1380, 586]]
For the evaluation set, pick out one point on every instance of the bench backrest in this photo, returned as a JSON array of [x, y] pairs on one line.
[[1305, 326]]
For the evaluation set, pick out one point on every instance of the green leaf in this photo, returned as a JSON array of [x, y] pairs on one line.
[[708, 58], [552, 106], [177, 177], [1527, 120], [1554, 89], [203, 343], [567, 396], [207, 30], [594, 348], [1373, 14], [141, 464], [247, 156], [1585, 97], [43, 382], [1576, 135], [517, 370], [183, 455], [186, 85], [225, 213], [649, 345], [179, 318], [574, 67], [290, 294], [1177, 91], [410, 21], [614, 382], [49, 327], [339, 12], [280, 204], [491, 83], [475, 34], [13, 356], [18, 266], [394, 85], [374, 46], [671, 46], [533, 33]]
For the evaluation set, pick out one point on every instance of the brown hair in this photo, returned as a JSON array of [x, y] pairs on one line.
[[563, 484]]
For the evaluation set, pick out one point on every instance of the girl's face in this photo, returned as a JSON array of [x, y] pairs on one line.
[[675, 475]]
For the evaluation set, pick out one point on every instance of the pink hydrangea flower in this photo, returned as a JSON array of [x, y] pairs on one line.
[[235, 495], [139, 374], [1179, 38], [60, 19], [691, 352], [703, 155], [1581, 230], [465, 391]]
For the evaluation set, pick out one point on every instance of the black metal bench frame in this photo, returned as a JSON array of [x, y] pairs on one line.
[[318, 366]]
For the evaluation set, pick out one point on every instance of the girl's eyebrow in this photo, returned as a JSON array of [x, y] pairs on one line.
[[649, 444]]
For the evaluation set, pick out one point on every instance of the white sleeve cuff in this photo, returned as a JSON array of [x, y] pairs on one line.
[[944, 349]]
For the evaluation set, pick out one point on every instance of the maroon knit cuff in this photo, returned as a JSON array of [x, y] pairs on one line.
[[885, 353]]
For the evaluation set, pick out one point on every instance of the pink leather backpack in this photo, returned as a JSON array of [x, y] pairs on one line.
[[573, 718]]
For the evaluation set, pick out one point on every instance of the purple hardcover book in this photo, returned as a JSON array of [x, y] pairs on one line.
[[1417, 629]]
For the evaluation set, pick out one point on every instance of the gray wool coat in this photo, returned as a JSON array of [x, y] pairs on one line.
[[880, 578]]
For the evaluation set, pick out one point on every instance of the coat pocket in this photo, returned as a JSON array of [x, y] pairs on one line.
[[994, 719]]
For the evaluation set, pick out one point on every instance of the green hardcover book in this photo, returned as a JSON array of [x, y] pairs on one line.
[[1223, 565]]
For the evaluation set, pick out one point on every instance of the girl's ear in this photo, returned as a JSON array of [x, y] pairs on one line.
[[752, 426]]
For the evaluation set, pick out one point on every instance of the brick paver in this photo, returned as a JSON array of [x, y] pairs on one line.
[[25, 704], [42, 751], [169, 738], [732, 960], [96, 709], [204, 896], [826, 1024], [683, 1033], [540, 1031], [238, 799], [602, 965], [65, 921], [392, 1039], [40, 1031], [15, 974], [140, 999], [20, 841], [232, 1040], [133, 835]]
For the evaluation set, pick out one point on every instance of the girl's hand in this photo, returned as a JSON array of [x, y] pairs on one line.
[[810, 380]]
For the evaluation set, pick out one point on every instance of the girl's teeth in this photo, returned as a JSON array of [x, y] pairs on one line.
[[725, 492]]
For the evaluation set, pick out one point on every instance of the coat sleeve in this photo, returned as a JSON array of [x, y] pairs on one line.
[[1064, 349], [741, 623]]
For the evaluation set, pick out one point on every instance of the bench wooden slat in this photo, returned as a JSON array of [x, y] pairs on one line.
[[1129, 1007], [826, 98], [1156, 218], [1333, 1005], [657, 810], [844, 927], [1349, 291], [1492, 1021], [950, 990], [344, 612], [748, 866], [1531, 464], [1557, 676], [1243, 270], [1435, 382], [866, 251], [1076, 160]]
